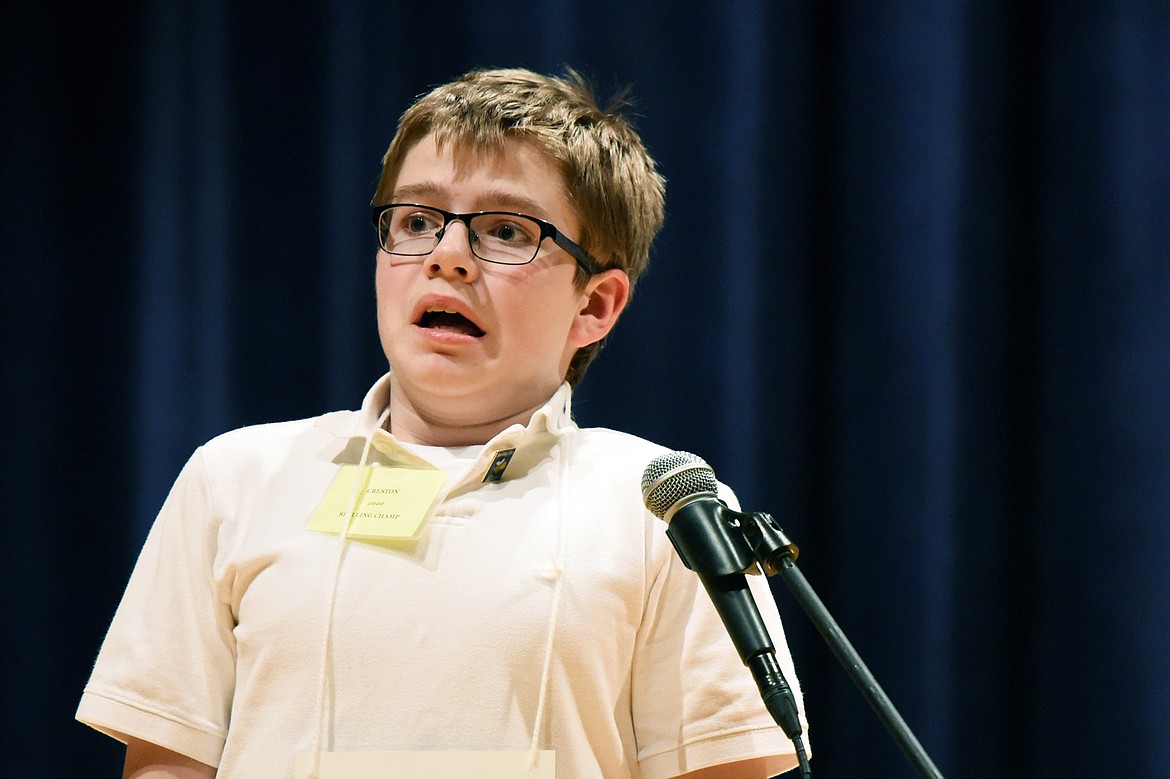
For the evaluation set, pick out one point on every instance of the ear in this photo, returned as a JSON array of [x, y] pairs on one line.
[[602, 301]]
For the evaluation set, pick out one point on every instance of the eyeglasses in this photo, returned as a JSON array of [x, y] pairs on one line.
[[502, 237]]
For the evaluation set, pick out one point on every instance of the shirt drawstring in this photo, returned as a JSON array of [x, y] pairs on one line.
[[326, 639], [563, 503]]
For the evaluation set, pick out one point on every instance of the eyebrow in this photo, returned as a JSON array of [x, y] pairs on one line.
[[498, 198]]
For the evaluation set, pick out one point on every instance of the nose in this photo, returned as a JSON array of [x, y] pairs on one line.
[[451, 258]]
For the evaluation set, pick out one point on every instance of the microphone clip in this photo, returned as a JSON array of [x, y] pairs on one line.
[[771, 545], [725, 542]]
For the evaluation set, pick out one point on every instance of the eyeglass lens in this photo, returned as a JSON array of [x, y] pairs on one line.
[[502, 238]]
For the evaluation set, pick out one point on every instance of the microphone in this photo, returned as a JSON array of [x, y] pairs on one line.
[[680, 488]]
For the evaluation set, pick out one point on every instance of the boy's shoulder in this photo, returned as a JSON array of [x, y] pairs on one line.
[[619, 448], [276, 438]]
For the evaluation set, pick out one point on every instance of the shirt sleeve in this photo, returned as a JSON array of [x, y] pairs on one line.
[[694, 702], [166, 670]]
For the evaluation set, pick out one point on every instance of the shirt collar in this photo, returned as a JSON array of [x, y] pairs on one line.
[[532, 442]]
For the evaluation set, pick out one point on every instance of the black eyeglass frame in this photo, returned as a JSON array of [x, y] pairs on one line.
[[547, 230]]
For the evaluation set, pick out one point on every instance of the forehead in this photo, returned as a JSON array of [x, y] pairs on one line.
[[468, 176]]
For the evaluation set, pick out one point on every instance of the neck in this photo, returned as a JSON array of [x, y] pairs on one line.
[[437, 425]]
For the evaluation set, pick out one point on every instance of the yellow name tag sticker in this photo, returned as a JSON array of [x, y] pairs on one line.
[[392, 503], [429, 765]]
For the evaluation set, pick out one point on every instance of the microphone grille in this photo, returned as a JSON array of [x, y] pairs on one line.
[[673, 476]]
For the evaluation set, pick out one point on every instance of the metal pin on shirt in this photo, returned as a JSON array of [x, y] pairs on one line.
[[495, 471]]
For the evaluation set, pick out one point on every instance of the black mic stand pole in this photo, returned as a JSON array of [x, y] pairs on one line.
[[777, 556]]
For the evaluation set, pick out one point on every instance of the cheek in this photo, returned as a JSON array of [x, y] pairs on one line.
[[388, 285], [543, 319]]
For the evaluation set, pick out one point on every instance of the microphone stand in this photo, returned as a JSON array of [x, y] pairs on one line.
[[777, 557]]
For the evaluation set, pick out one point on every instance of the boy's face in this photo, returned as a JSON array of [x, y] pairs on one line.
[[471, 342]]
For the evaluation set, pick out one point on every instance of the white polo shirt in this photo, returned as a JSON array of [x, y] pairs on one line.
[[216, 650]]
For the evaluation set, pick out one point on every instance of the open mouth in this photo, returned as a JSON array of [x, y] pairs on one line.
[[451, 321]]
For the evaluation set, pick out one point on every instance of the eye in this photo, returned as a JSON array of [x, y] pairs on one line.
[[509, 230], [419, 222]]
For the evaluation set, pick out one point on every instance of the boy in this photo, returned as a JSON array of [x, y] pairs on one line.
[[539, 610]]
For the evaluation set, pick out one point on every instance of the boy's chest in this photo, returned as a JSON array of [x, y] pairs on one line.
[[479, 582]]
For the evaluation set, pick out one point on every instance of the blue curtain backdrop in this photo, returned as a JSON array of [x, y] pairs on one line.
[[912, 298]]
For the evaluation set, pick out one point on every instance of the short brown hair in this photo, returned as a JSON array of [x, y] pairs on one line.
[[610, 178]]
